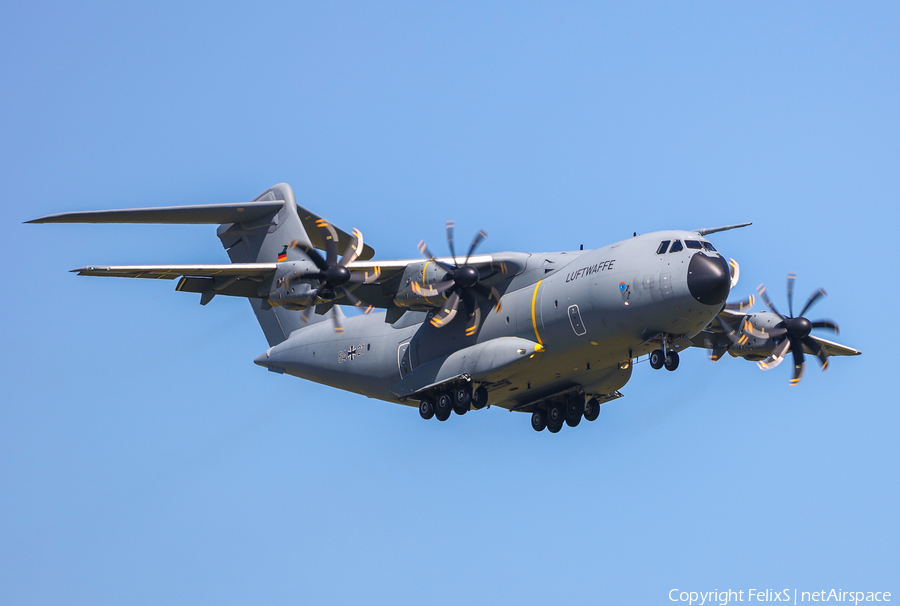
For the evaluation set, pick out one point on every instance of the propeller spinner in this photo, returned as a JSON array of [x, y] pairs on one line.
[[795, 330], [334, 276], [461, 284]]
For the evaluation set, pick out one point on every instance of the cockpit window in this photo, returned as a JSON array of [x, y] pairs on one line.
[[708, 246], [662, 247], [693, 244], [676, 246]]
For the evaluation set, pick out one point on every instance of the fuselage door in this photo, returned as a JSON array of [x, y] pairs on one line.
[[403, 359], [575, 320]]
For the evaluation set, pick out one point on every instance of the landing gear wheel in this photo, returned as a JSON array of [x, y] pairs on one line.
[[460, 410], [573, 422], [592, 409], [538, 420], [462, 396], [480, 398], [554, 427], [671, 360], [555, 416], [426, 408], [657, 359], [574, 408], [444, 406]]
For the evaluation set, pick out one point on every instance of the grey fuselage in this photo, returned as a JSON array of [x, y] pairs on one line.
[[593, 311]]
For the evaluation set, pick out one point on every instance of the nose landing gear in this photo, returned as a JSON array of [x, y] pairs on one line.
[[671, 362], [664, 357]]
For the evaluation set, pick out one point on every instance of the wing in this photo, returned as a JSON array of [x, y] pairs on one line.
[[251, 279], [833, 349], [251, 271]]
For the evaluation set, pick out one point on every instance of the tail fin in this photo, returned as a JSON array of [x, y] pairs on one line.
[[263, 240], [251, 232]]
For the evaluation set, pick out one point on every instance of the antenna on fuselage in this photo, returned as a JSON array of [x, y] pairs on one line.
[[711, 230]]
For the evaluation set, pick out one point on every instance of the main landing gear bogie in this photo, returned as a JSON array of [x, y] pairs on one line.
[[570, 412], [669, 359], [460, 399]]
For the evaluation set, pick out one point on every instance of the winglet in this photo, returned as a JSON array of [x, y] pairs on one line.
[[711, 230]]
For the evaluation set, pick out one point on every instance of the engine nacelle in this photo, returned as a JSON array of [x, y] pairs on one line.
[[416, 276], [750, 339], [291, 291]]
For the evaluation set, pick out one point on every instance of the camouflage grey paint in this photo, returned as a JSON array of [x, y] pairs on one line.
[[589, 311], [569, 320]]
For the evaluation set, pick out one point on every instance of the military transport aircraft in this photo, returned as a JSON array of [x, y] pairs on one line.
[[552, 334]]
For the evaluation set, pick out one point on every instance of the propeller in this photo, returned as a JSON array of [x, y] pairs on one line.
[[333, 275], [461, 284], [743, 304], [795, 330]]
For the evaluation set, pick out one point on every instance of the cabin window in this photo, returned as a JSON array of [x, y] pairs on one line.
[[663, 246], [693, 244], [708, 246], [676, 246]]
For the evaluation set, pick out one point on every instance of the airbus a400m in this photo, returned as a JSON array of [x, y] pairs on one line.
[[555, 335]]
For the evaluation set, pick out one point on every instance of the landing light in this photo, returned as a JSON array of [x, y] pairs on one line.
[[625, 365]]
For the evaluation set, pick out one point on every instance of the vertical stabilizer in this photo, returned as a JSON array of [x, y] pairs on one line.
[[262, 240]]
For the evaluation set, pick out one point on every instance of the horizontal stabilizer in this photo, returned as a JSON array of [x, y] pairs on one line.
[[206, 214]]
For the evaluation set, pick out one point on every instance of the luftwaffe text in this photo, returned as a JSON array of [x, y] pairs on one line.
[[587, 271]]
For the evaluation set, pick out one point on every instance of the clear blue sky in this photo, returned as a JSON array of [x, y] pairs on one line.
[[144, 459]]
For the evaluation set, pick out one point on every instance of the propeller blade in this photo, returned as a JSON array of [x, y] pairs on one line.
[[826, 324], [742, 304], [731, 333], [775, 357], [490, 293], [716, 353], [434, 290], [307, 315], [474, 317], [481, 235], [473, 322], [368, 277], [448, 312], [313, 254], [790, 293], [799, 361], [427, 254], [450, 225], [353, 248], [815, 297], [356, 300], [331, 241], [817, 351], [336, 320], [762, 293], [735, 270], [762, 333]]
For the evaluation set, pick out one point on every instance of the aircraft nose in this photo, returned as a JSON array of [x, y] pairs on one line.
[[709, 279]]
